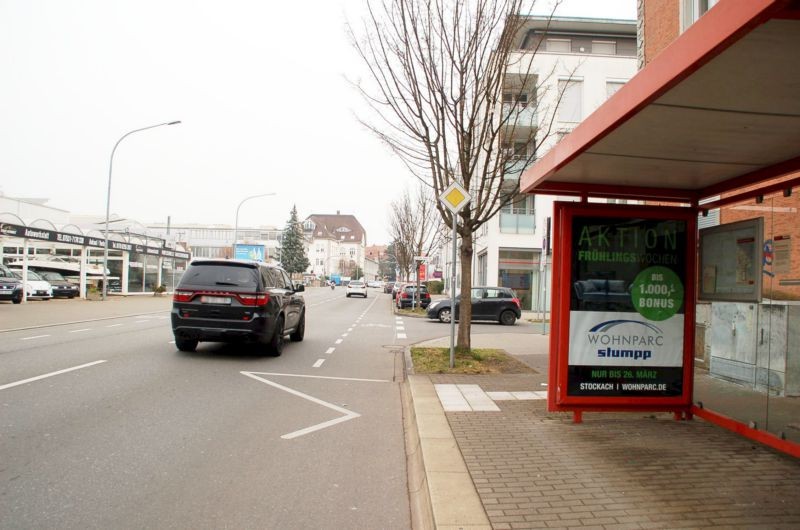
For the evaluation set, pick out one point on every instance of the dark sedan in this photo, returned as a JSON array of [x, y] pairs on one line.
[[61, 287], [499, 304], [10, 286]]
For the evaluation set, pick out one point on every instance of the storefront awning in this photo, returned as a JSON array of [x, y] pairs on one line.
[[717, 110]]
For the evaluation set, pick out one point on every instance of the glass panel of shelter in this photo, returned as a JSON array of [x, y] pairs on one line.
[[747, 355]]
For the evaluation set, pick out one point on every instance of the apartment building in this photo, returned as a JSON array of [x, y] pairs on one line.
[[565, 68], [336, 244]]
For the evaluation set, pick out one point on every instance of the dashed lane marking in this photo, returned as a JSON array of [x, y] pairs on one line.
[[330, 350], [80, 330], [318, 363], [338, 341], [401, 336], [34, 337]]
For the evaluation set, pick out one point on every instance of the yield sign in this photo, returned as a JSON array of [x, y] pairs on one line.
[[455, 197]]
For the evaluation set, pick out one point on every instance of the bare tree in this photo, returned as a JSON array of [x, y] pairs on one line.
[[449, 90], [414, 226]]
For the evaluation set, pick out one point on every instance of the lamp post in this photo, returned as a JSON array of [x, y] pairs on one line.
[[108, 199], [236, 226]]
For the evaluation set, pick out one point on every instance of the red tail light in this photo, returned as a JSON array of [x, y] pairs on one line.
[[182, 296], [405, 295], [516, 301], [256, 300]]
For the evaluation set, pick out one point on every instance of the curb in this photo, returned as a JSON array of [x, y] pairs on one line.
[[441, 492]]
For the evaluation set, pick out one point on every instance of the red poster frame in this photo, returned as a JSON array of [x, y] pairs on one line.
[[557, 398]]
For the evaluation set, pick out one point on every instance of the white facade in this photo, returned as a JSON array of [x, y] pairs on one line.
[[335, 244], [582, 62], [216, 241]]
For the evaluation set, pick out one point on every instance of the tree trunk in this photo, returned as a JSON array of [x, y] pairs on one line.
[[465, 306]]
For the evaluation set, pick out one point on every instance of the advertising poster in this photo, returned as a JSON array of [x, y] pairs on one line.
[[253, 252], [626, 306]]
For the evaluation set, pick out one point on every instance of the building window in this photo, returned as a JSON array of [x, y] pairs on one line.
[[558, 45], [570, 108], [482, 268], [517, 150], [691, 10], [603, 47], [612, 87], [518, 100]]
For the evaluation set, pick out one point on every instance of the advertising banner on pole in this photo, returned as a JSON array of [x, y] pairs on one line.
[[254, 252], [626, 305]]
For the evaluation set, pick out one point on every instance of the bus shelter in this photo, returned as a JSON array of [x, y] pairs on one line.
[[687, 298]]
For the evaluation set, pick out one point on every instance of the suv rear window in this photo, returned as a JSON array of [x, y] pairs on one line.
[[215, 275]]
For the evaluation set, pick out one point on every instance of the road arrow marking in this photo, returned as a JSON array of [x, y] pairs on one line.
[[347, 414]]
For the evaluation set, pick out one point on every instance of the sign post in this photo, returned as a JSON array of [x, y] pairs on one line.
[[454, 198], [625, 338]]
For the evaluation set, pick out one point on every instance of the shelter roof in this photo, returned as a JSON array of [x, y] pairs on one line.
[[717, 110]]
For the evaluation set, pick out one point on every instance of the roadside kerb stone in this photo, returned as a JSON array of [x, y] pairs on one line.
[[454, 501]]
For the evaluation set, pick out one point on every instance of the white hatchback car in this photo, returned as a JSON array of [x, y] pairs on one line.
[[35, 286], [356, 287]]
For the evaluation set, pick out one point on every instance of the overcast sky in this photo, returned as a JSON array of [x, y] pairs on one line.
[[259, 85]]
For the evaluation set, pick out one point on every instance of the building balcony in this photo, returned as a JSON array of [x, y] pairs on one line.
[[515, 170], [515, 223], [519, 117]]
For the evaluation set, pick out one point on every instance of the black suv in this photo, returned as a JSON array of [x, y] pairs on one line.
[[237, 301], [10, 285], [407, 296]]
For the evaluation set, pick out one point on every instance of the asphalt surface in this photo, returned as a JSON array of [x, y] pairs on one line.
[[136, 434]]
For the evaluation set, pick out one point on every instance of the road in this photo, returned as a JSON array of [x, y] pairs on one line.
[[103, 424], [150, 437]]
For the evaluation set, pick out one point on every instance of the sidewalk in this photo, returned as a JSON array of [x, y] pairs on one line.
[[526, 468], [36, 313]]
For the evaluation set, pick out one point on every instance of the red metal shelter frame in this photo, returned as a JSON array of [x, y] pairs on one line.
[[571, 167], [558, 399]]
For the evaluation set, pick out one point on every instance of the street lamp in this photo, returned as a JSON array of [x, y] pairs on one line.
[[236, 226], [108, 199]]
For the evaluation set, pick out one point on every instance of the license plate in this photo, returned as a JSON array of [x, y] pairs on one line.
[[215, 300]]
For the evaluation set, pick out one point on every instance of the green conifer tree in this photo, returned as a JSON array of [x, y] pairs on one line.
[[293, 252]]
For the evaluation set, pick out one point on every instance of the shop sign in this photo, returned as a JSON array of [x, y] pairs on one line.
[[40, 234], [625, 296]]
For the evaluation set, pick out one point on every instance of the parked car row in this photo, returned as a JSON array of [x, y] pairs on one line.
[[42, 285]]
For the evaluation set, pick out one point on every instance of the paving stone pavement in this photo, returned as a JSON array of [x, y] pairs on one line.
[[534, 469]]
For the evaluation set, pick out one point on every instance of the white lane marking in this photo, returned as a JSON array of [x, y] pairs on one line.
[[140, 321], [171, 342], [51, 374], [34, 337], [401, 336], [348, 414], [318, 363], [344, 334], [338, 341], [114, 325], [401, 328], [330, 350], [349, 330], [80, 330], [322, 377]]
